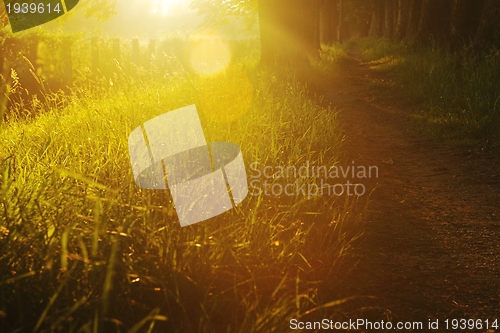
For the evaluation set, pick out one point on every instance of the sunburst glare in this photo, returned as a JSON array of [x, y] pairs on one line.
[[164, 7], [208, 52]]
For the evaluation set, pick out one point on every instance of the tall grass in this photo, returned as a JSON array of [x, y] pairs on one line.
[[83, 249], [456, 92]]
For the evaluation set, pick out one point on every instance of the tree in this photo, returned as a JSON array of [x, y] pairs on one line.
[[289, 29], [388, 18], [465, 17], [431, 20], [413, 20], [99, 9], [402, 19], [452, 22], [488, 31], [376, 26], [423, 21], [329, 21], [216, 12], [341, 25]]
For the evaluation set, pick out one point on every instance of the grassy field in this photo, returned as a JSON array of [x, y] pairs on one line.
[[83, 249], [455, 93]]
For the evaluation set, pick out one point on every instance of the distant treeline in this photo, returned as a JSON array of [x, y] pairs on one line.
[[456, 21], [292, 30], [414, 21]]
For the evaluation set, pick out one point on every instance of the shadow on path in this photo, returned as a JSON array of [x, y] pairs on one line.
[[431, 243]]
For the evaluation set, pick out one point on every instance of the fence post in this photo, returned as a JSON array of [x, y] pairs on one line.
[[67, 61], [117, 58], [94, 49], [116, 50], [135, 51], [151, 53]]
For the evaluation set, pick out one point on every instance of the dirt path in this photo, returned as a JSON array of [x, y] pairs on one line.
[[431, 247]]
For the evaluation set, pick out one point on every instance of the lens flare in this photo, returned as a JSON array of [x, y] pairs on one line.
[[224, 96], [208, 53]]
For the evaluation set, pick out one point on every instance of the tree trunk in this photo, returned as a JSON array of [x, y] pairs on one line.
[[289, 31], [270, 25], [488, 31], [413, 19], [423, 22], [465, 18], [395, 16], [304, 24], [402, 22], [434, 20], [388, 19], [312, 32], [377, 18], [340, 27], [440, 18], [329, 21]]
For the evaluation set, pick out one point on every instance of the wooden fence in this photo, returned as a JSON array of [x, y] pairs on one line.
[[62, 61]]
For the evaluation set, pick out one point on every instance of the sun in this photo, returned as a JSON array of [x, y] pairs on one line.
[[164, 7]]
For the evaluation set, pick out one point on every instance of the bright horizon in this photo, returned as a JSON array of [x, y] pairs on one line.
[[148, 19], [166, 7], [135, 18]]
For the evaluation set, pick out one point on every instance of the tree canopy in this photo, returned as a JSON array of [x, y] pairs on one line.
[[216, 12]]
